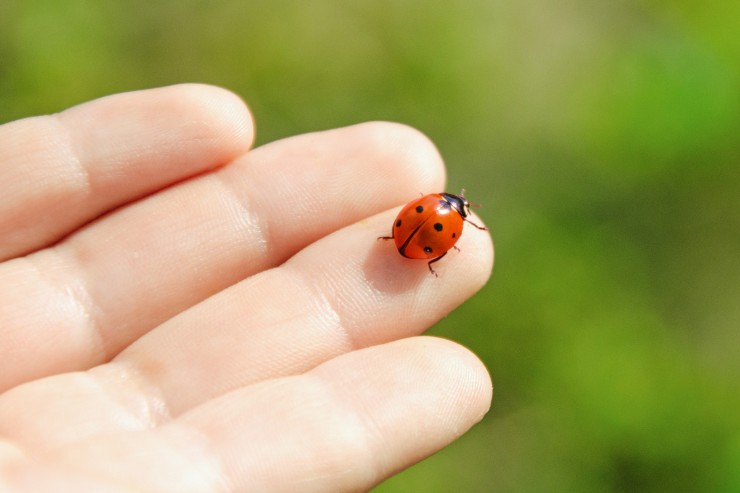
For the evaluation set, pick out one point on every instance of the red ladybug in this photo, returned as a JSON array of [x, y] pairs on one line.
[[426, 228]]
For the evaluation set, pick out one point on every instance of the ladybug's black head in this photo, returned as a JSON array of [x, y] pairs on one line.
[[459, 203]]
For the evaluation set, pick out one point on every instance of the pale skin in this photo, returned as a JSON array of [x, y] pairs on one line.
[[184, 313]]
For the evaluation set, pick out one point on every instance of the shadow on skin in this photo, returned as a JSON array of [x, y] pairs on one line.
[[388, 272]]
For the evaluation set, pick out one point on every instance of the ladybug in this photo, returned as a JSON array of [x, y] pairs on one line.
[[426, 228]]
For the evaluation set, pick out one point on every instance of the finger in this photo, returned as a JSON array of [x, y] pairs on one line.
[[108, 284], [345, 426], [61, 171], [343, 292]]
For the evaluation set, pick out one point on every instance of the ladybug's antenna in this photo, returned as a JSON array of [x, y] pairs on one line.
[[462, 194]]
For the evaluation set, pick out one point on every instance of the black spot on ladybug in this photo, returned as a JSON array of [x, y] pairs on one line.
[[428, 249], [438, 226], [398, 223], [419, 208], [454, 235]]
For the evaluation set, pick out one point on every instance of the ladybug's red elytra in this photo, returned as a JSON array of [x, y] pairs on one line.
[[426, 228]]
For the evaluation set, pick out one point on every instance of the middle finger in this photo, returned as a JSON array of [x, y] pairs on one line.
[[344, 292]]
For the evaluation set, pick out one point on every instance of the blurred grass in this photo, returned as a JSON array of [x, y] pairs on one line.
[[602, 139]]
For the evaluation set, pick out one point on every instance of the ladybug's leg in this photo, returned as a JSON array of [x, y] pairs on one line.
[[455, 247], [385, 237], [479, 227], [432, 261]]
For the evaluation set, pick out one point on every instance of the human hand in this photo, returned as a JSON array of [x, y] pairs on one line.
[[180, 313]]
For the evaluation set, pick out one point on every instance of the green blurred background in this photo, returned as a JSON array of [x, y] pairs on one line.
[[602, 138]]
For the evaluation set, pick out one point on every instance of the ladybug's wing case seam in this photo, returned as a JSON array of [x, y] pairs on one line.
[[402, 248]]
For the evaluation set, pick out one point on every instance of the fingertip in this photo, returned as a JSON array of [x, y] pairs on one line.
[[478, 251], [214, 113], [214, 124], [417, 163], [434, 390], [462, 271], [464, 378]]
